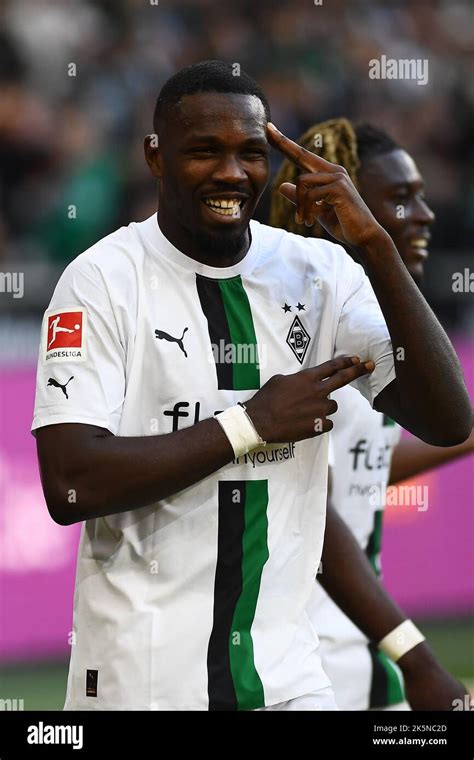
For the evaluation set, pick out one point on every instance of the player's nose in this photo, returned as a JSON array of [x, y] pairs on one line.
[[229, 170]]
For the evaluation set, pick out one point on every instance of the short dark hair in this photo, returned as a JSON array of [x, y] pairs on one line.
[[372, 141], [206, 76]]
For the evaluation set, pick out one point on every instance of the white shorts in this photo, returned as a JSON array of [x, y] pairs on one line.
[[322, 699]]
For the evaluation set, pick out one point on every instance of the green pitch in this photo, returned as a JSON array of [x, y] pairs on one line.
[[42, 686]]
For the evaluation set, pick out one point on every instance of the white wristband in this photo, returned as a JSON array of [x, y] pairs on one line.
[[399, 641], [239, 429]]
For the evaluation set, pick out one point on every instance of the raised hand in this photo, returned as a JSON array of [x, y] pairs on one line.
[[295, 407], [325, 193]]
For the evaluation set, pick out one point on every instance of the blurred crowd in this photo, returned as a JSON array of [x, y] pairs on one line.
[[78, 82]]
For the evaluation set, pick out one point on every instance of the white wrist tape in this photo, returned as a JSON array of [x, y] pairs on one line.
[[399, 641], [239, 429]]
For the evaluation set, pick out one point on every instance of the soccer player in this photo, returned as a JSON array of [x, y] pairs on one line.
[[197, 458], [362, 439]]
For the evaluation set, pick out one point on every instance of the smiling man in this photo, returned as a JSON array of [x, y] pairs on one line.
[[202, 482]]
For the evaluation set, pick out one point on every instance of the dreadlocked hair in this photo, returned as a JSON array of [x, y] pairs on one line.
[[333, 140], [339, 142]]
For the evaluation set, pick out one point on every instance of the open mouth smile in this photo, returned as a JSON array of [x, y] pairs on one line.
[[225, 206], [420, 245]]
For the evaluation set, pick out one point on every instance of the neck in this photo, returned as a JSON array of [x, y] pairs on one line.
[[214, 253]]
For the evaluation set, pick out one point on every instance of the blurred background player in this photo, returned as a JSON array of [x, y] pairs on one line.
[[367, 452], [63, 189]]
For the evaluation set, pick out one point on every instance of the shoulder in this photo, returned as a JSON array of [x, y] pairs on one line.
[[116, 251], [110, 265], [321, 255]]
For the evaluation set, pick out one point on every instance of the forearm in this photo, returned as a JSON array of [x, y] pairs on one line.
[[347, 576], [87, 472], [412, 457], [350, 581], [432, 402], [111, 474]]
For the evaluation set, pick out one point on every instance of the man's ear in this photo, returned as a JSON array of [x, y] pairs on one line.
[[151, 147]]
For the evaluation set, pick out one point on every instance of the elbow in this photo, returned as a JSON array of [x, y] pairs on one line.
[[461, 427], [62, 503], [60, 516], [61, 512], [452, 436], [452, 427]]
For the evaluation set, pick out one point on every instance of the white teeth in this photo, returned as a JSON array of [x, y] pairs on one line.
[[233, 211], [224, 203], [419, 243], [225, 207]]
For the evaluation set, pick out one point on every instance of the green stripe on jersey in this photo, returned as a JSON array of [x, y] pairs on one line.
[[245, 367], [395, 691], [247, 683], [386, 685], [242, 551], [374, 545]]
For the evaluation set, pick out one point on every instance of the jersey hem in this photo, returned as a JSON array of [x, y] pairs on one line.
[[57, 419]]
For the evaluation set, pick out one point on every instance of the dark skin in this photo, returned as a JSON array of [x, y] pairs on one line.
[[325, 193], [393, 188], [349, 579], [112, 474], [212, 146], [385, 182]]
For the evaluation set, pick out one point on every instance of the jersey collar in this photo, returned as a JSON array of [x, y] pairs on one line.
[[163, 248]]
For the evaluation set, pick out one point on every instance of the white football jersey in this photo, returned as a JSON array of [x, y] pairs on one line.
[[362, 442], [199, 601]]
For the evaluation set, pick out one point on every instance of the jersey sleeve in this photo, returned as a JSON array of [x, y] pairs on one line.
[[362, 332], [81, 364]]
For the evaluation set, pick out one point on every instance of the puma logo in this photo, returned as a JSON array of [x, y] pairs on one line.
[[162, 335], [54, 382]]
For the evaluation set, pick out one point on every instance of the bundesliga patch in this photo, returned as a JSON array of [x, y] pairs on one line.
[[64, 335]]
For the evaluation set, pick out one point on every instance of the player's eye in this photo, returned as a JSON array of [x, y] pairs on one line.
[[255, 153], [201, 151], [401, 197]]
